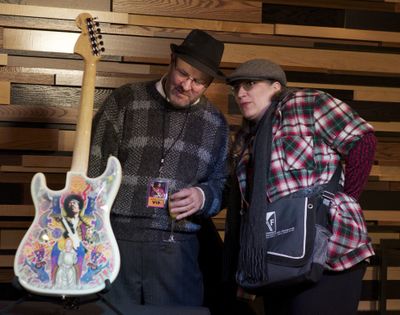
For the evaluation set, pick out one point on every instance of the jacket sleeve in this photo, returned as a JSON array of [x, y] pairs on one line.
[[338, 124]]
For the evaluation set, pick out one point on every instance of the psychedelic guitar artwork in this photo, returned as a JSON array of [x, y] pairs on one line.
[[70, 249]]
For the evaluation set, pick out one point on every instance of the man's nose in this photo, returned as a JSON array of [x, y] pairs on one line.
[[187, 84]]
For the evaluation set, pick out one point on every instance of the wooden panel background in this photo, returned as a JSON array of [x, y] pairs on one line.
[[349, 48]]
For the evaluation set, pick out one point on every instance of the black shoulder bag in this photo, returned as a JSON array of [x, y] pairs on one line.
[[285, 242]]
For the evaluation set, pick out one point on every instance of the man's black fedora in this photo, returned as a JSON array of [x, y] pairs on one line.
[[202, 51]]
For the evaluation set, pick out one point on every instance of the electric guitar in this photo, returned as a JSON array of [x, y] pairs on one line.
[[70, 249]]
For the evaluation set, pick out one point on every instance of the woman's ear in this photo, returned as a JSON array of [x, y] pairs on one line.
[[277, 86]]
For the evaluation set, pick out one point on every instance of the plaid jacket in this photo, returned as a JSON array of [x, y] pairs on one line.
[[312, 131]]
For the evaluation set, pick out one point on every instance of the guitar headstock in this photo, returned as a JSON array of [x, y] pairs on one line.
[[89, 44]]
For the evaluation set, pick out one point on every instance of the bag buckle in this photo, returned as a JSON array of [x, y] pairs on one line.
[[327, 198]]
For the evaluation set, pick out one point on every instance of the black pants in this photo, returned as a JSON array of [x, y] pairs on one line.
[[158, 273], [336, 293]]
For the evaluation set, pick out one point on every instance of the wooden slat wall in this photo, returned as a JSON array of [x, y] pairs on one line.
[[231, 10], [40, 81]]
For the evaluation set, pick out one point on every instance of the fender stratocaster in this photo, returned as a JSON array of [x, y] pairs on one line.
[[70, 249]]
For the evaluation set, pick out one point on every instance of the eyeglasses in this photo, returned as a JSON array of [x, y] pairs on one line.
[[246, 85], [195, 83]]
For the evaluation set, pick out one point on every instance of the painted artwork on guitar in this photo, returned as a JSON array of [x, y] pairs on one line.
[[70, 249]]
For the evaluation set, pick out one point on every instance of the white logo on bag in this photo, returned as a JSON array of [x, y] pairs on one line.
[[271, 224]]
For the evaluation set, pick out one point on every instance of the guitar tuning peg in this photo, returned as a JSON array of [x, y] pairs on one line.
[[101, 43], [97, 23], [102, 49], [99, 36], [99, 30]]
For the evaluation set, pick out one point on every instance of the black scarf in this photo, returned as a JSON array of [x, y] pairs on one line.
[[251, 256]]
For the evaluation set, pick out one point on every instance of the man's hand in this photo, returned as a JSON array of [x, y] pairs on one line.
[[186, 202]]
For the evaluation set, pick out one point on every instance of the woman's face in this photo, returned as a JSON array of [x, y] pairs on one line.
[[254, 97]]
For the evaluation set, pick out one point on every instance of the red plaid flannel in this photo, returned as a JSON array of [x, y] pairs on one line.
[[311, 131]]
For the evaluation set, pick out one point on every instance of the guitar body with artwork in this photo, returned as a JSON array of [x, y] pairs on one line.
[[70, 249]]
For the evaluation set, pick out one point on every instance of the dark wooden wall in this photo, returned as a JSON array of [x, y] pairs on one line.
[[348, 48]]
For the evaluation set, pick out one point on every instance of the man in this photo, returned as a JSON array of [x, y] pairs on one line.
[[164, 132]]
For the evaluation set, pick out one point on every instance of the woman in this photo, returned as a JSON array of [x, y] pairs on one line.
[[310, 133]]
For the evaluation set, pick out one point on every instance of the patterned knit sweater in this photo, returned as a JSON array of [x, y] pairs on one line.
[[138, 126]]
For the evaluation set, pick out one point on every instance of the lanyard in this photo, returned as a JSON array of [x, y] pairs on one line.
[[164, 152]]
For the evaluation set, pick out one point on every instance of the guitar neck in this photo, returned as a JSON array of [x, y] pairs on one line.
[[80, 158]]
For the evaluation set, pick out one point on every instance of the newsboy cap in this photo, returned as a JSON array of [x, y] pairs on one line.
[[257, 69], [202, 51]]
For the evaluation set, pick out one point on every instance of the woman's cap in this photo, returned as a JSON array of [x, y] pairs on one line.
[[257, 69]]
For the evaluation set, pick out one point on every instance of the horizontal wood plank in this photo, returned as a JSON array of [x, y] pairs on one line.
[[26, 178], [66, 140], [5, 92], [386, 173], [390, 126], [39, 139], [317, 59], [34, 113], [46, 160], [26, 75], [28, 139], [6, 261], [231, 10], [60, 13], [17, 210], [59, 66], [387, 152], [340, 4], [24, 169], [336, 33], [382, 215], [103, 5], [361, 93], [15, 224], [193, 23], [156, 50], [377, 94], [30, 94], [110, 80], [3, 59], [45, 41], [10, 238], [6, 274]]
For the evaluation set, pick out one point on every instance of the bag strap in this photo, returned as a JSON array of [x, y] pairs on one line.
[[327, 195]]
